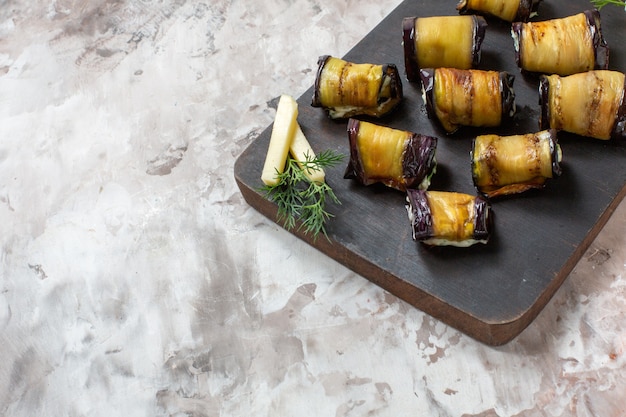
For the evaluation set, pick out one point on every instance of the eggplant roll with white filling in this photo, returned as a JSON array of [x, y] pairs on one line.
[[468, 97], [508, 10], [504, 165], [397, 158], [345, 89], [562, 46], [441, 41], [591, 104], [441, 218]]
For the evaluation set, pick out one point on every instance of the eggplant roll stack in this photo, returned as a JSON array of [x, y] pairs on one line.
[[503, 165], [396, 158], [441, 41], [562, 46], [589, 104], [468, 97], [441, 218], [346, 89], [508, 10]]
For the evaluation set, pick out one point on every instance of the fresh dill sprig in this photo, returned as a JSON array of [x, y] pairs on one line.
[[601, 3], [300, 198]]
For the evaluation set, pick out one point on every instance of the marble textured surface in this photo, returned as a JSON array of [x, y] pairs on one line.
[[135, 281]]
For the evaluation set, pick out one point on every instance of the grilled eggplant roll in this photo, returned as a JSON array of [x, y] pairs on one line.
[[396, 158], [503, 165], [346, 89], [591, 104], [441, 218], [468, 97], [441, 41], [562, 46], [508, 10]]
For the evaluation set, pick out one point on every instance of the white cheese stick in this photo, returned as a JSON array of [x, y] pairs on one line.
[[301, 151], [280, 140]]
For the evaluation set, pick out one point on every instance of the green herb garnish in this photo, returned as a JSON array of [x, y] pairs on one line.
[[299, 198], [601, 3]]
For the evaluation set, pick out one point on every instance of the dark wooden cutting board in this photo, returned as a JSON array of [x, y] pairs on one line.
[[490, 292]]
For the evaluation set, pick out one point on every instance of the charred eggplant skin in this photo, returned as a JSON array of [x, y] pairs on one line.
[[423, 221], [619, 131], [525, 9], [412, 63], [600, 49], [389, 96], [483, 219], [505, 165], [596, 120], [506, 95], [420, 215], [417, 159]]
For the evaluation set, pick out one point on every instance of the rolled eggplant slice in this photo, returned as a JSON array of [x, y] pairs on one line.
[[508, 10], [441, 41], [504, 165], [468, 97], [562, 46], [396, 158], [345, 89], [441, 218], [591, 104]]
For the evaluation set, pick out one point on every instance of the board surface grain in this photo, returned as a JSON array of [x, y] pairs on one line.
[[490, 292]]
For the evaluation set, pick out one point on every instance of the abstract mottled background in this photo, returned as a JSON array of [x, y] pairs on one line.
[[135, 281]]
